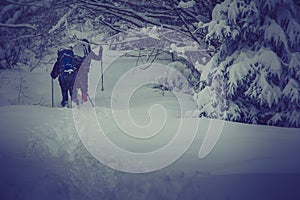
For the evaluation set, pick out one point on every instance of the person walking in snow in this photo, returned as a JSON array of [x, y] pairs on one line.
[[84, 56], [65, 69]]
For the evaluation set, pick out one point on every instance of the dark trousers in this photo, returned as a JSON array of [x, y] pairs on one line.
[[66, 82]]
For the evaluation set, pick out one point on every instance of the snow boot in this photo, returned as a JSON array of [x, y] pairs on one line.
[[64, 103]]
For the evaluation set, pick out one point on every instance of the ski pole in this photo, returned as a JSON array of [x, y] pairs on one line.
[[102, 75], [90, 100], [52, 91]]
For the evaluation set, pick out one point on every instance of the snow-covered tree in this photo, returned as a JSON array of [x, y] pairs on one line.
[[32, 30], [254, 77], [24, 26]]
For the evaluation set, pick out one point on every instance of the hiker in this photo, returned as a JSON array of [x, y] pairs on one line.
[[65, 69], [84, 56]]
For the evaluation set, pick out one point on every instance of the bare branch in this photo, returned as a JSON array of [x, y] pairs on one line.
[[157, 13], [62, 20], [33, 4], [111, 26], [188, 28], [25, 36], [18, 26]]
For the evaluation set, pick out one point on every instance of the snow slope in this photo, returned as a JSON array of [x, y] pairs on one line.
[[42, 156]]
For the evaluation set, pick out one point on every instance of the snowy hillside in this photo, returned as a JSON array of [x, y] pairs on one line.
[[43, 153]]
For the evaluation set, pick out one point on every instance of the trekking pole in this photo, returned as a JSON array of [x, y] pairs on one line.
[[90, 100], [101, 65], [52, 91], [102, 89]]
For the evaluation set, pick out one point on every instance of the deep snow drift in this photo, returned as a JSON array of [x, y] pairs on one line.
[[42, 156]]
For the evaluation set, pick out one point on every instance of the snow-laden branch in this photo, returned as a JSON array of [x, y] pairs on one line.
[[117, 29], [188, 4], [166, 15], [136, 18], [62, 20], [130, 16], [26, 36], [33, 4], [18, 26]]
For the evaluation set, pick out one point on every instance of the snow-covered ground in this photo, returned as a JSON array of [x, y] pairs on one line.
[[42, 156]]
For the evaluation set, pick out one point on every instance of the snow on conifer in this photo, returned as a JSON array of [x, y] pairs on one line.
[[254, 76]]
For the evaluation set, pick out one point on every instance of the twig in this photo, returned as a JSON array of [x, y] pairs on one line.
[[138, 59], [150, 54], [144, 68]]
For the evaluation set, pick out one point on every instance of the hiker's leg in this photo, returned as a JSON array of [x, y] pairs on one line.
[[64, 92], [73, 89], [76, 85], [75, 95], [84, 86]]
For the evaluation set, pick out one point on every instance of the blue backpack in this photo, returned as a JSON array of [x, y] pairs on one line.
[[66, 61]]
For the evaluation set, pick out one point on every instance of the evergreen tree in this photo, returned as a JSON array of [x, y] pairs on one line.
[[254, 77]]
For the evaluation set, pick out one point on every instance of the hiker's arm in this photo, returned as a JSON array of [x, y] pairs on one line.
[[97, 57], [55, 71]]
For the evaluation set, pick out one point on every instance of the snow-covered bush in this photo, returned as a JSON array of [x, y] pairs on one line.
[[254, 76], [180, 77]]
